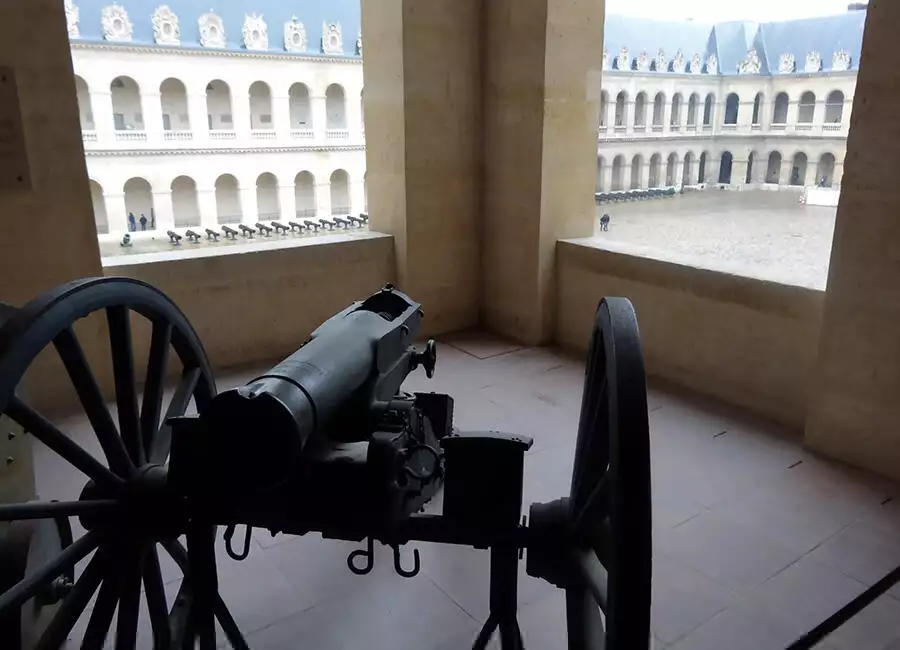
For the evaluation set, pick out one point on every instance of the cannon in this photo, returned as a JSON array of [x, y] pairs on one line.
[[341, 223], [264, 229], [356, 221], [326, 441], [192, 236], [327, 223], [246, 231], [174, 237], [311, 225], [299, 227], [364, 217], [230, 233], [280, 228], [212, 234]]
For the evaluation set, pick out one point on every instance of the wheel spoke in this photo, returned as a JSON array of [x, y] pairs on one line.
[[92, 400], [202, 563], [229, 626], [179, 618], [162, 442], [53, 509], [45, 431], [120, 344], [595, 508], [129, 601], [151, 407], [29, 586], [156, 601], [73, 605], [101, 616], [584, 621], [594, 576]]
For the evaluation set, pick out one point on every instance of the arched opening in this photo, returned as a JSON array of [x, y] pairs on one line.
[[598, 181], [301, 117], [260, 106], [693, 102], [708, 109], [798, 169], [637, 166], [671, 165], [757, 108], [806, 110], [640, 110], [101, 220], [780, 112], [655, 164], [126, 101], [335, 109], [621, 108], [725, 164], [732, 108], [305, 194], [825, 171], [185, 207], [340, 192], [701, 173], [748, 178], [218, 106], [834, 107], [139, 202], [604, 106], [773, 169], [687, 174], [84, 104], [618, 173], [267, 204], [173, 98], [228, 200], [675, 119], [659, 109]]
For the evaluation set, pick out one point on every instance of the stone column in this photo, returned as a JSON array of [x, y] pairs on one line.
[[606, 176], [792, 114], [787, 168], [209, 210], [240, 105], [738, 172], [354, 115], [199, 117], [319, 114], [281, 116], [151, 108], [323, 199], [116, 213], [249, 207], [287, 202], [853, 406], [629, 115], [838, 174], [102, 107], [357, 196], [645, 176], [163, 210]]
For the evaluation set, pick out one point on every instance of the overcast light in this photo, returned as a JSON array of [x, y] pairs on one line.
[[718, 11]]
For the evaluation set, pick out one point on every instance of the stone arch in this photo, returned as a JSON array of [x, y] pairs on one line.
[[708, 109], [621, 108], [228, 199], [701, 167], [780, 109], [174, 106], [340, 192], [675, 118], [335, 107], [773, 168], [655, 165], [604, 107], [693, 103], [98, 201], [305, 194], [825, 170], [618, 173], [671, 167], [751, 159], [139, 201], [637, 167], [126, 102], [260, 97], [640, 109], [218, 106], [732, 108], [834, 107], [687, 174], [659, 109], [806, 109], [85, 113], [757, 108], [268, 206], [798, 169], [299, 103], [185, 206], [726, 162]]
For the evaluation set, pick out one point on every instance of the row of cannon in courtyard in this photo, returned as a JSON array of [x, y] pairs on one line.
[[304, 227], [634, 195]]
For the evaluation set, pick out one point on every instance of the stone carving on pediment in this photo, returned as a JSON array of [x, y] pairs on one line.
[[696, 64], [72, 15], [255, 33], [212, 30], [813, 62], [332, 41], [750, 65], [786, 63], [115, 23], [679, 63], [166, 30], [712, 64], [841, 61], [642, 62], [294, 35], [623, 61], [661, 63]]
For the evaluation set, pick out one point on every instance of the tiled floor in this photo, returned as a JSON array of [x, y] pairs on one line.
[[755, 540]]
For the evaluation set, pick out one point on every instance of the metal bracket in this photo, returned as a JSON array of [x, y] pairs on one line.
[[229, 533]]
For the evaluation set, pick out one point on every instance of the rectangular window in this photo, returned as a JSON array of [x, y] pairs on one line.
[[265, 119], [226, 118], [119, 121]]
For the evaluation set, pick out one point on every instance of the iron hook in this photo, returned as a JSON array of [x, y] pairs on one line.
[[368, 553], [229, 533], [400, 570]]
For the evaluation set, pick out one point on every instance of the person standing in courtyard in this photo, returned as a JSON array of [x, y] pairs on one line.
[[604, 223], [143, 221]]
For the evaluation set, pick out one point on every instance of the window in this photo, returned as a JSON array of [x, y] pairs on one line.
[[732, 107], [265, 119], [167, 122], [226, 119]]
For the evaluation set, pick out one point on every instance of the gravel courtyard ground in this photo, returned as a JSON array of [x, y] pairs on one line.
[[766, 235]]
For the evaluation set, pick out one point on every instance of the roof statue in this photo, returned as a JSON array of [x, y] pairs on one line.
[[72, 15], [212, 30], [642, 64], [115, 23], [255, 33], [332, 41], [841, 61], [661, 63], [294, 36], [813, 62], [696, 64], [712, 64], [359, 42], [750, 65], [166, 30], [605, 59], [623, 62], [786, 63], [678, 63]]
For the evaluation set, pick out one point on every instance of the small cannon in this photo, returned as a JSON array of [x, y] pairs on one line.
[[364, 217], [193, 237], [264, 229], [356, 221], [280, 228], [212, 234], [174, 237], [343, 223], [247, 231], [230, 233], [311, 225], [327, 223], [299, 227]]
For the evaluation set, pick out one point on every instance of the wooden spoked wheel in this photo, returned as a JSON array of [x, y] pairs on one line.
[[127, 508]]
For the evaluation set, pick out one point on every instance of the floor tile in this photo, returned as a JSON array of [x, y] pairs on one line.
[[860, 551]]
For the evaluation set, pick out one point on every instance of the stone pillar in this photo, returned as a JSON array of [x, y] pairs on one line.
[[645, 176], [151, 107], [357, 196], [206, 203], [102, 107], [287, 202], [738, 172], [787, 168], [853, 405], [199, 117], [606, 176], [163, 210], [240, 105], [319, 114], [838, 175], [281, 116], [116, 213], [629, 115], [792, 114], [354, 115], [323, 200], [249, 208]]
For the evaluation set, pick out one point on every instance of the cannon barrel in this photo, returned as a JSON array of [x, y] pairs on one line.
[[355, 360]]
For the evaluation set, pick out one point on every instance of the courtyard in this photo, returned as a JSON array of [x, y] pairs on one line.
[[761, 234]]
